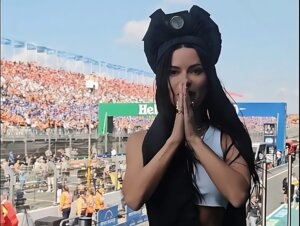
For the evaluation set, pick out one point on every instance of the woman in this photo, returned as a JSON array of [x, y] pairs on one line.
[[194, 165]]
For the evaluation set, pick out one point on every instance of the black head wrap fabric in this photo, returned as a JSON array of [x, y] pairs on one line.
[[194, 27]]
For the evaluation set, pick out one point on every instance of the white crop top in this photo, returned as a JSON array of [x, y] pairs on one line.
[[210, 196]]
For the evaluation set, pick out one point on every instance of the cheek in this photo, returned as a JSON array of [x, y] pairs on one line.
[[174, 86], [202, 89], [171, 87]]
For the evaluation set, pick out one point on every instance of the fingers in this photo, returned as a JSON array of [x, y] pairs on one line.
[[178, 129], [186, 101], [183, 102], [179, 108], [179, 102], [185, 107], [189, 122]]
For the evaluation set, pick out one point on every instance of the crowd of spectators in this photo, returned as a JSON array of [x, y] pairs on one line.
[[256, 124], [39, 98], [131, 124]]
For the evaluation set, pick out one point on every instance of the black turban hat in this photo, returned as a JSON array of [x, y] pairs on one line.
[[194, 27]]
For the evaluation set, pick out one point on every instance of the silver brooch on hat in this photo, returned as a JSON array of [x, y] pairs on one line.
[[177, 22]]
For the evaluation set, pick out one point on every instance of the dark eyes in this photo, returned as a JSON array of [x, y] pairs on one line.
[[173, 72], [195, 71]]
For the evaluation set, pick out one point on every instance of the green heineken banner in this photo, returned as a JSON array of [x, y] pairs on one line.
[[265, 114], [115, 109]]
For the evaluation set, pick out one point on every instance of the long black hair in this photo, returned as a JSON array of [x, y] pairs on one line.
[[216, 109]]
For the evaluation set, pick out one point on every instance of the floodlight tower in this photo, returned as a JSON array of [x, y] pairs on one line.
[[91, 84]]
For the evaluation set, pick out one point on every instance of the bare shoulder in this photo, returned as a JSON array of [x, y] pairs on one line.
[[232, 155], [234, 159], [137, 136], [134, 157], [226, 141], [229, 149], [135, 141]]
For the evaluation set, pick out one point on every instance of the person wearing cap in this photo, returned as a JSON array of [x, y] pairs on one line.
[[196, 146]]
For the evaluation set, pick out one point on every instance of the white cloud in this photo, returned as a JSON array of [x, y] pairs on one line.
[[283, 91], [134, 31]]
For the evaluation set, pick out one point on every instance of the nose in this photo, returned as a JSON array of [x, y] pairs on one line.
[[188, 83], [186, 79]]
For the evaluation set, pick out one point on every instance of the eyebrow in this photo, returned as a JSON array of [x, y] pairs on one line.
[[190, 67]]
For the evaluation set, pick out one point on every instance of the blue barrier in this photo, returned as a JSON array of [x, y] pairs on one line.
[[135, 217], [108, 216]]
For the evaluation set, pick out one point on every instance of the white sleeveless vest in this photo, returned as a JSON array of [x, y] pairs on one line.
[[210, 194]]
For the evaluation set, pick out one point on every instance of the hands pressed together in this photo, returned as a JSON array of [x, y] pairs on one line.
[[185, 127]]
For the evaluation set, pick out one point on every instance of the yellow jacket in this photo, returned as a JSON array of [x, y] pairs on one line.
[[99, 202], [81, 206], [65, 200], [90, 204]]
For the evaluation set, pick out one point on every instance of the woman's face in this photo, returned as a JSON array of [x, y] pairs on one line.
[[187, 69]]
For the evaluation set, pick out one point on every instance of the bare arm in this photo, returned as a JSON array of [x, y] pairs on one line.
[[141, 181], [233, 180]]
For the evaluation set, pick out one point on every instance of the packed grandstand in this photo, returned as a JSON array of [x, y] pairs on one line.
[[39, 95]]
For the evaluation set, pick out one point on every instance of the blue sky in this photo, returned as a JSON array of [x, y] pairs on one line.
[[260, 49]]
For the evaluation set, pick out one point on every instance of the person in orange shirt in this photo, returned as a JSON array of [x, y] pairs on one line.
[[3, 214], [81, 207], [89, 203], [8, 212], [99, 200], [65, 202], [81, 204]]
